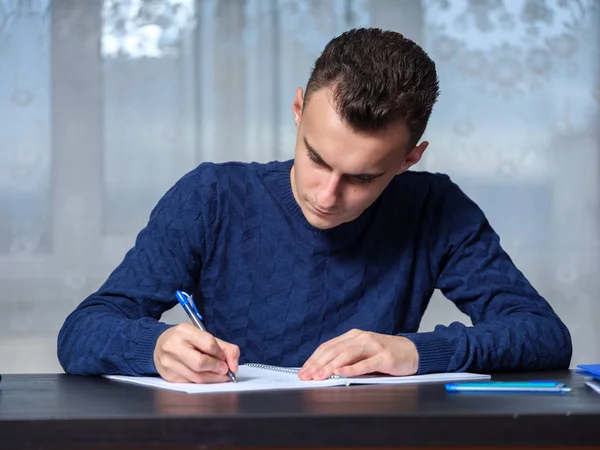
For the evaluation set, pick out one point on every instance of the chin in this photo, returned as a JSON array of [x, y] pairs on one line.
[[324, 223]]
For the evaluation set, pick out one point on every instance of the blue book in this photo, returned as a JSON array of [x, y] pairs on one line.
[[589, 370]]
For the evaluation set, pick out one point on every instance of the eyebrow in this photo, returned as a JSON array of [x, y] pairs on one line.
[[315, 155]]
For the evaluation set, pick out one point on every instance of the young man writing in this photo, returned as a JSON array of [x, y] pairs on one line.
[[325, 262]]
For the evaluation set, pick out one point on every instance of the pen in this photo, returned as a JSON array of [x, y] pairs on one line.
[[189, 306], [509, 386]]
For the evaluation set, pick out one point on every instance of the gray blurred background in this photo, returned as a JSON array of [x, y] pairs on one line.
[[104, 104]]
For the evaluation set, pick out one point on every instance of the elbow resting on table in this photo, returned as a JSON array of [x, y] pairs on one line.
[[566, 347], [554, 345], [66, 347]]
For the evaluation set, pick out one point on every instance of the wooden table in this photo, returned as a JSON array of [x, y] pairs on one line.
[[58, 411]]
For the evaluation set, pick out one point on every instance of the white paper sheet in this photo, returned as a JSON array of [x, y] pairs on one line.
[[257, 379]]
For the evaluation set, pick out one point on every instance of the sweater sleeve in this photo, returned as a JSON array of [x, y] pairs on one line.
[[114, 330], [514, 328]]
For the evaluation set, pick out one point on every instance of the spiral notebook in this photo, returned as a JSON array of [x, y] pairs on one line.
[[260, 377]]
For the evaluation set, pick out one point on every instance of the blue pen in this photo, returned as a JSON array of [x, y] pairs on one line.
[[189, 306], [510, 387]]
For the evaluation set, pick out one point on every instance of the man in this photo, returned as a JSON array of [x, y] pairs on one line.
[[327, 261]]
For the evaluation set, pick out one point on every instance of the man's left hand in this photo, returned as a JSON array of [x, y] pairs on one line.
[[361, 352]]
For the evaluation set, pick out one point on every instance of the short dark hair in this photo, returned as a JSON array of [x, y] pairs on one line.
[[377, 78]]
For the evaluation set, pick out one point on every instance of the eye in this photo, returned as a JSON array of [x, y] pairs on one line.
[[363, 180], [315, 160]]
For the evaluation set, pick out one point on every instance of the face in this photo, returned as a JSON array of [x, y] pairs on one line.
[[337, 172]]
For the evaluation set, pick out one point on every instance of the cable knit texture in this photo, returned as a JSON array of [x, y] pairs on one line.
[[268, 281]]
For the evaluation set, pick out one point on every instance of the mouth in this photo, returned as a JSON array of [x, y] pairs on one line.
[[321, 212]]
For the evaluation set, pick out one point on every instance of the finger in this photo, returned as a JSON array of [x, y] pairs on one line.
[[362, 367], [204, 341], [325, 353], [199, 362], [332, 342], [349, 355], [179, 373], [232, 354], [321, 357]]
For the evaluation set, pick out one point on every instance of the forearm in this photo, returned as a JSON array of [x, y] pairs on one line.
[[514, 327], [518, 341], [115, 329], [98, 338]]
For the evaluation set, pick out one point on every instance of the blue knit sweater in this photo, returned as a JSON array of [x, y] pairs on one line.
[[268, 281]]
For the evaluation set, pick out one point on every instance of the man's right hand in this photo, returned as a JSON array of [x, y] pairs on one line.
[[186, 354]]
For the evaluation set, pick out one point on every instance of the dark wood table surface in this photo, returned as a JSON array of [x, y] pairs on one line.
[[48, 411]]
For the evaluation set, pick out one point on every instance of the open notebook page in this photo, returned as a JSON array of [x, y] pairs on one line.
[[258, 378]]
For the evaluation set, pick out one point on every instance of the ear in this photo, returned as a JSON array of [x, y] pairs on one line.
[[414, 156], [297, 106]]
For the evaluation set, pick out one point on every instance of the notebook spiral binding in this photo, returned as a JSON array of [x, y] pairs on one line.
[[275, 368], [289, 370]]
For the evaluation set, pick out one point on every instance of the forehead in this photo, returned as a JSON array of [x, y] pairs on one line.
[[339, 144]]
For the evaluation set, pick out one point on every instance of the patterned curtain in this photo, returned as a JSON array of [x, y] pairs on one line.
[[106, 103]]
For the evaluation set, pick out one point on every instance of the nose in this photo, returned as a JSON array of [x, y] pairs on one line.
[[328, 193]]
